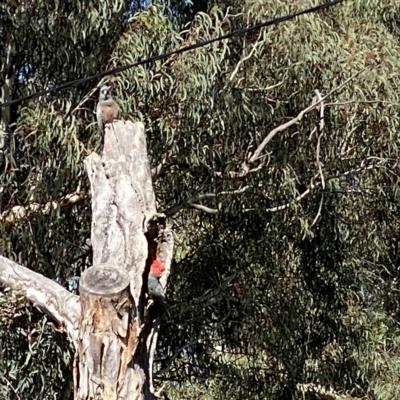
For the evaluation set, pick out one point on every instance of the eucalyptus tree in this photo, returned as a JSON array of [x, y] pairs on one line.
[[274, 155]]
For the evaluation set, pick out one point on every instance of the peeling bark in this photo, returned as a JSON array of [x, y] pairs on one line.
[[46, 295], [108, 334], [113, 324]]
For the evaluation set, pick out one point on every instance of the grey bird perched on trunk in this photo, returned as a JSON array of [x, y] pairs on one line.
[[107, 108]]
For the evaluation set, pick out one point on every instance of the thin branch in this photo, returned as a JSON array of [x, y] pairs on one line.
[[205, 209], [84, 99], [232, 174], [159, 171], [190, 202], [312, 186], [319, 211], [260, 89], [296, 200], [201, 168], [242, 60], [11, 216], [173, 166], [296, 119], [12, 387], [246, 169], [321, 130], [318, 98], [5, 96], [343, 103]]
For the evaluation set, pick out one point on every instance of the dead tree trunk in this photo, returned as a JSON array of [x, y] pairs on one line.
[[113, 324], [113, 354]]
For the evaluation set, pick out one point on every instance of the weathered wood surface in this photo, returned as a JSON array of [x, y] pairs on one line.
[[48, 296], [107, 336], [122, 200], [125, 234], [112, 324]]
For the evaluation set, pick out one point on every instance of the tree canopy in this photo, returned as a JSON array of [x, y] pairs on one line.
[[286, 273]]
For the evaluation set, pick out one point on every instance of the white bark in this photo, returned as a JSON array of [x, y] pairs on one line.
[[112, 324]]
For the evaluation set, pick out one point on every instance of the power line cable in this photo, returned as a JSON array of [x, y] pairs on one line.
[[230, 35]]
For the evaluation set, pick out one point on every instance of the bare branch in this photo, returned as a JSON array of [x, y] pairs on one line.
[[174, 166], [296, 120], [312, 186], [232, 174], [190, 202], [318, 98], [242, 60], [48, 296], [318, 212], [296, 200], [12, 387], [201, 168], [343, 103], [246, 169], [159, 171], [261, 89], [205, 209], [9, 217], [85, 99]]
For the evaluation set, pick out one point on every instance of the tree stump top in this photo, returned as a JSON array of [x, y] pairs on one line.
[[104, 280]]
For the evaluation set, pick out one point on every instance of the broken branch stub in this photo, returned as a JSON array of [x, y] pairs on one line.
[[105, 332]]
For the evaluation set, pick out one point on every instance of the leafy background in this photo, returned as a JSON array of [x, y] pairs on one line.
[[266, 301]]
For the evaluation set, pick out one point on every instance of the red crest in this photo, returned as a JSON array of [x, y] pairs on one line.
[[157, 267]]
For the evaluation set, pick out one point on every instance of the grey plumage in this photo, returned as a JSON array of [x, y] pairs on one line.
[[107, 108], [155, 289]]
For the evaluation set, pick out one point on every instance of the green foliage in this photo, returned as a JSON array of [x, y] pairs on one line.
[[34, 361], [292, 280]]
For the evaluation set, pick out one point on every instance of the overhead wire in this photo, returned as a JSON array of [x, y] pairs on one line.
[[184, 49]]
